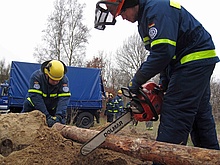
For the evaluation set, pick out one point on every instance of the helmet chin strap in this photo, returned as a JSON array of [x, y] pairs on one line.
[[47, 78]]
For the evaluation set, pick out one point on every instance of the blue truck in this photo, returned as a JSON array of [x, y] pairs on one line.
[[86, 88]]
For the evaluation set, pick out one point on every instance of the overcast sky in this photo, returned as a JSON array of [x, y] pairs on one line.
[[22, 22]]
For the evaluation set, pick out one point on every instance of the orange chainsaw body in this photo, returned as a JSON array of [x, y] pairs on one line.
[[151, 94]]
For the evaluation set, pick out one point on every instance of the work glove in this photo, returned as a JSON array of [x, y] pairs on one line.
[[133, 87], [51, 121], [60, 119], [163, 84], [164, 79]]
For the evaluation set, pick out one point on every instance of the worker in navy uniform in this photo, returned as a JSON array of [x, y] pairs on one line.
[[183, 52], [119, 104], [110, 105], [49, 92]]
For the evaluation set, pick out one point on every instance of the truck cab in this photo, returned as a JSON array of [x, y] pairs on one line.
[[4, 98]]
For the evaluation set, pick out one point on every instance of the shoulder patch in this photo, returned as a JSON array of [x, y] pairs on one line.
[[152, 32], [36, 85], [66, 89]]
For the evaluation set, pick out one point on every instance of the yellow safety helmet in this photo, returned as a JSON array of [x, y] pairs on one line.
[[120, 91], [110, 94], [55, 69]]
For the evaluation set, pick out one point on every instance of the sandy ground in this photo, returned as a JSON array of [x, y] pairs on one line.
[[25, 139]]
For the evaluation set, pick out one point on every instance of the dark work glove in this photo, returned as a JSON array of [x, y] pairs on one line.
[[134, 87], [60, 119], [163, 84], [164, 80], [51, 121]]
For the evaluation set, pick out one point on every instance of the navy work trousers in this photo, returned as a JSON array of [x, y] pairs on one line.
[[186, 109]]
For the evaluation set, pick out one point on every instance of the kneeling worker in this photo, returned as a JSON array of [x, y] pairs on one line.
[[49, 92]]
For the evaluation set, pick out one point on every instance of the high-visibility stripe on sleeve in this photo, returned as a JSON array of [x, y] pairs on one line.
[[146, 40], [51, 95], [35, 91], [29, 99], [163, 41], [64, 94], [198, 56]]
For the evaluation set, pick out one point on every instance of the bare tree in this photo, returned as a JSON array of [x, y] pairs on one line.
[[96, 62], [66, 36], [129, 59], [215, 98], [131, 55], [110, 74], [4, 71], [120, 67]]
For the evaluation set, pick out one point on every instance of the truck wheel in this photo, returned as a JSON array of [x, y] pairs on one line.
[[85, 120]]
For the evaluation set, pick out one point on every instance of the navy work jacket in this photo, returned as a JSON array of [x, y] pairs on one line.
[[49, 99], [173, 37]]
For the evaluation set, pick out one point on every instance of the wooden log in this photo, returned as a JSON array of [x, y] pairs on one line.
[[145, 149]]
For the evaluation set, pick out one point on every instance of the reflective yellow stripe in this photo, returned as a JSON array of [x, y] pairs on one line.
[[198, 56], [35, 91], [51, 95], [64, 94], [146, 40], [29, 99], [54, 117], [163, 41], [175, 4]]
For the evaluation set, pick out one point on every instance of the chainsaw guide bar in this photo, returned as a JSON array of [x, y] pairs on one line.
[[100, 138]]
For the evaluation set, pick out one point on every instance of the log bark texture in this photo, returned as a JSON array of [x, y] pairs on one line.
[[145, 149]]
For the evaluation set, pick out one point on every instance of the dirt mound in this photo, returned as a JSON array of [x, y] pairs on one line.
[[25, 139]]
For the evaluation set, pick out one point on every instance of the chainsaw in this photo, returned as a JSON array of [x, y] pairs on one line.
[[144, 106]]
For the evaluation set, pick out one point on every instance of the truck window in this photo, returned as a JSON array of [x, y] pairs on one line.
[[5, 91]]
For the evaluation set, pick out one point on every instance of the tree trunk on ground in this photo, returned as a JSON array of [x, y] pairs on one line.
[[144, 149]]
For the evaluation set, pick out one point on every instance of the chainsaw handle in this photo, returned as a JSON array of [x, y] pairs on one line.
[[126, 92], [156, 117]]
